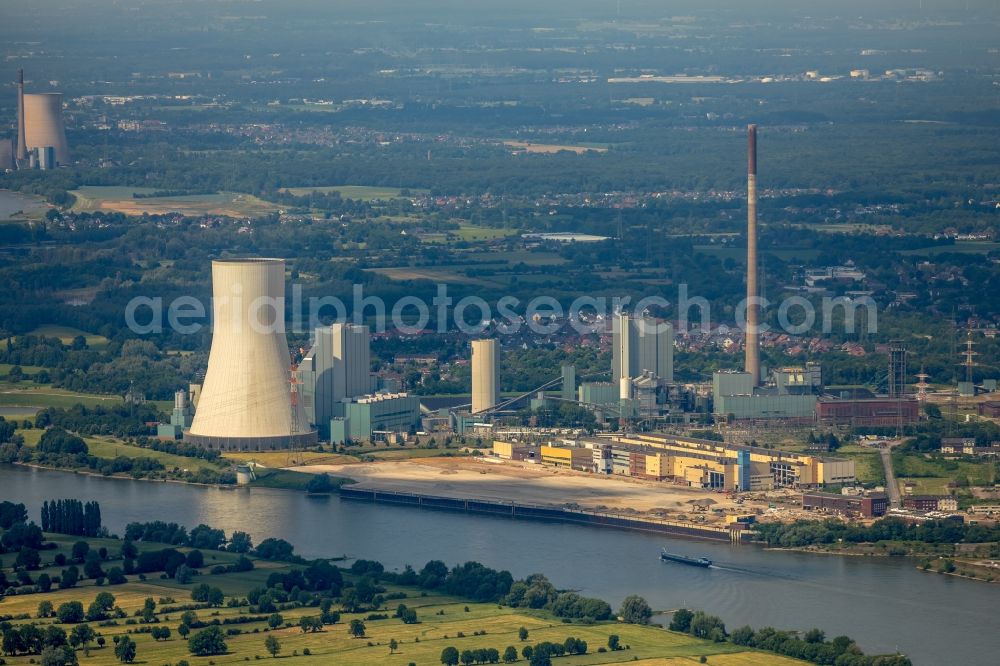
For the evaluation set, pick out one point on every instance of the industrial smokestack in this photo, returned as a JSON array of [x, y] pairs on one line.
[[485, 375], [753, 307], [22, 145]]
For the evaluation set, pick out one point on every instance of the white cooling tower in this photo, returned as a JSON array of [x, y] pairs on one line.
[[246, 401], [43, 124]]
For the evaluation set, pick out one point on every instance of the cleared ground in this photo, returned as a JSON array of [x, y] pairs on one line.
[[472, 478], [549, 148], [231, 204]]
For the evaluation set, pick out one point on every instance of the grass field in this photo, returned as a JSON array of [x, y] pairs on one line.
[[441, 622], [932, 475], [26, 369], [356, 192], [106, 447], [67, 333], [469, 232], [867, 463], [960, 247], [232, 204], [29, 395]]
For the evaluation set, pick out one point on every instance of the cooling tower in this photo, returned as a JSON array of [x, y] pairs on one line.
[[484, 375], [246, 401], [43, 124]]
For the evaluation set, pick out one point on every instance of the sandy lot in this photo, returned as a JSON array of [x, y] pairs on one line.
[[475, 478]]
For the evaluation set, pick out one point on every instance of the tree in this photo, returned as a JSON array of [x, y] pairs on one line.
[[207, 642], [614, 642], [239, 543], [275, 620], [320, 484], [272, 645], [44, 609], [540, 658], [393, 645], [681, 621], [467, 658], [356, 629], [522, 633], [160, 633], [183, 630], [125, 650], [28, 558], [80, 550], [116, 576], [311, 624], [449, 656], [68, 578], [81, 636], [510, 655], [215, 597], [61, 655], [70, 612], [635, 610]]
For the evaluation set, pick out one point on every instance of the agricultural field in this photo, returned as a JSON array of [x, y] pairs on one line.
[[550, 148], [442, 621], [356, 192], [67, 333], [29, 395], [120, 199]]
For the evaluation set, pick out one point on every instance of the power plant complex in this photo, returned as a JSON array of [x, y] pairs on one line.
[[256, 397], [40, 142]]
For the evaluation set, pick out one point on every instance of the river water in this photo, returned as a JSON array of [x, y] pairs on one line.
[[883, 604]]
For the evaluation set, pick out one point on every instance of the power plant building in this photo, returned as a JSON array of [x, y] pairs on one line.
[[642, 345], [248, 400], [375, 416], [696, 462], [485, 375], [336, 368]]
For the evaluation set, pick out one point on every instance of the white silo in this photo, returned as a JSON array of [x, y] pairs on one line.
[[43, 124], [247, 402], [485, 362]]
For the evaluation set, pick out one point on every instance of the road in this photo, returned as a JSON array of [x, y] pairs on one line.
[[895, 501]]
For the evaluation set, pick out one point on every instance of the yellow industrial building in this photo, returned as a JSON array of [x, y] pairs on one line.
[[695, 462]]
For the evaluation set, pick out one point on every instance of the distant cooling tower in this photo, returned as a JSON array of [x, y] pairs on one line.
[[43, 124], [485, 362], [247, 402]]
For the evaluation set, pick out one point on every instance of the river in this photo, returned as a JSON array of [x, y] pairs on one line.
[[883, 604]]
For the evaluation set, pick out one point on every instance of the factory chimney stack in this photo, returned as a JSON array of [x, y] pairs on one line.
[[753, 292]]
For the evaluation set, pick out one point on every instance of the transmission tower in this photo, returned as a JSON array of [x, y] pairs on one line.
[[897, 369], [970, 357], [922, 385]]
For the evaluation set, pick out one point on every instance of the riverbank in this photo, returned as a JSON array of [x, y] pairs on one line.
[[746, 586], [438, 621]]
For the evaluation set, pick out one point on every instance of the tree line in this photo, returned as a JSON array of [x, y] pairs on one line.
[[71, 516]]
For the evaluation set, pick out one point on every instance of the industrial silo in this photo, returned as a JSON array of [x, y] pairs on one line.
[[248, 400], [43, 124]]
